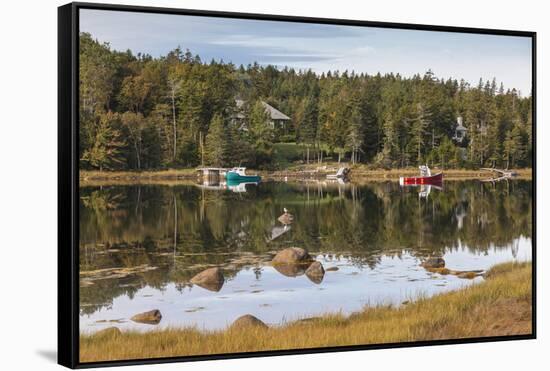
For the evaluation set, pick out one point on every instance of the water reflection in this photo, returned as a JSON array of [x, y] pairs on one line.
[[141, 245]]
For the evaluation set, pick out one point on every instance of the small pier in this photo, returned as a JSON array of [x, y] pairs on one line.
[[499, 174], [212, 172]]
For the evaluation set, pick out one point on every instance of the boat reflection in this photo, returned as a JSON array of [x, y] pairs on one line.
[[425, 190], [215, 185], [239, 187], [212, 184]]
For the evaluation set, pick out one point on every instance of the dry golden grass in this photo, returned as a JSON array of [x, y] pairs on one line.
[[499, 306], [359, 174], [160, 177], [362, 171], [168, 173]]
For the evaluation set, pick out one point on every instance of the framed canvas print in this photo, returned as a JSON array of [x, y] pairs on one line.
[[238, 185]]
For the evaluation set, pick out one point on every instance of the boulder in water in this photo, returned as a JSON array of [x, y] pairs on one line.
[[315, 272], [292, 255], [151, 317], [434, 262], [292, 262], [210, 279]]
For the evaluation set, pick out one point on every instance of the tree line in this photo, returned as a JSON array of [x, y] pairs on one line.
[[138, 112]]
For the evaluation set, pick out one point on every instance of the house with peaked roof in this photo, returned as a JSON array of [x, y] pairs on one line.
[[460, 131], [278, 120]]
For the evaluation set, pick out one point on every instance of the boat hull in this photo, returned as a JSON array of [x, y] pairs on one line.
[[237, 178], [420, 180]]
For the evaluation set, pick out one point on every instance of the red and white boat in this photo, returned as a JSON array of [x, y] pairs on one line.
[[425, 177]]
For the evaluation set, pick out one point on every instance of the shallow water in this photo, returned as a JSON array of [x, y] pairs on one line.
[[140, 246]]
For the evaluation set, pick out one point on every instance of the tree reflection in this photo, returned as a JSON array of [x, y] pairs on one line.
[[180, 230]]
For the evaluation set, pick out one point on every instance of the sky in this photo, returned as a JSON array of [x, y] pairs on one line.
[[319, 47]]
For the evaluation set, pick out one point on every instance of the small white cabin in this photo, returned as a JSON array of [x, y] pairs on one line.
[[460, 130]]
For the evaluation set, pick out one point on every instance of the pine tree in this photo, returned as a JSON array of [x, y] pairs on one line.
[[390, 150], [162, 119], [447, 154], [105, 152], [420, 123], [513, 146], [164, 107], [261, 133], [355, 134], [134, 124], [308, 126], [218, 143], [134, 93]]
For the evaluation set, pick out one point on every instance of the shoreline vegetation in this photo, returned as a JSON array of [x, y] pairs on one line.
[[138, 113], [499, 306], [359, 174]]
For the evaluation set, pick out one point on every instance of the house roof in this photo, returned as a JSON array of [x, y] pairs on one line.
[[273, 112], [459, 126]]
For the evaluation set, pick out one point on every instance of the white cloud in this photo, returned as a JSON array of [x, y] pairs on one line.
[[320, 47]]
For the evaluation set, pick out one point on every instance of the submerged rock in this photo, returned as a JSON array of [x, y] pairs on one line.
[[434, 262], [292, 261], [210, 279], [290, 269], [151, 317], [442, 271], [113, 273], [332, 269], [248, 320], [292, 255], [315, 272], [467, 275]]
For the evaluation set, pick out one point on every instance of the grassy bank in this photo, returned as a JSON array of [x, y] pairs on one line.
[[359, 173], [138, 175], [499, 306]]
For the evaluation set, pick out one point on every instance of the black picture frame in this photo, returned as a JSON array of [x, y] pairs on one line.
[[68, 181]]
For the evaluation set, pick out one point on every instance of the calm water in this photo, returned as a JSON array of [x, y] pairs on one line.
[[140, 246]]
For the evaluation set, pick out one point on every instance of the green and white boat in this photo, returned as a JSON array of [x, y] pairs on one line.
[[238, 174]]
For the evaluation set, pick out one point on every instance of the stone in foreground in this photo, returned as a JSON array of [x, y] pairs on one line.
[[151, 317], [248, 320], [210, 279]]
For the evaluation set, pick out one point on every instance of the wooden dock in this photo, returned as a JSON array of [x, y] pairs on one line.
[[212, 172], [501, 174]]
